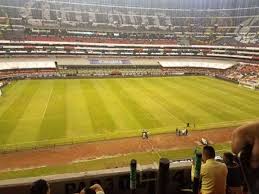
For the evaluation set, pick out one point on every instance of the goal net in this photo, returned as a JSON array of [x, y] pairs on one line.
[[249, 85]]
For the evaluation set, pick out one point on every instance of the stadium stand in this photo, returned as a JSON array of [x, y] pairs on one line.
[[71, 66], [199, 64], [26, 68], [133, 66], [43, 48], [245, 74], [86, 38], [27, 65], [112, 180], [177, 24]]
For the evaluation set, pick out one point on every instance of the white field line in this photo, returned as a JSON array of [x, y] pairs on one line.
[[98, 158], [93, 159], [83, 137], [152, 148], [46, 106], [22, 169]]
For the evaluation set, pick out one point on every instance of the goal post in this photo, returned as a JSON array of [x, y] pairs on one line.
[[249, 85]]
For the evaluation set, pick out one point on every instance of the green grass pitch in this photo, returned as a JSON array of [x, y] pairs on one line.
[[93, 109]]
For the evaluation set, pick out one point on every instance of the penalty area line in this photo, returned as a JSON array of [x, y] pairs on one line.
[[46, 106]]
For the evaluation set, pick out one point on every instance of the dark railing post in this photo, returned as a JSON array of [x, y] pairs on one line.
[[196, 180], [133, 176], [163, 176]]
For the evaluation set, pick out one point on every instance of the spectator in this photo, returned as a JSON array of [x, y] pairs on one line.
[[234, 177], [97, 188], [247, 135], [40, 187], [94, 189], [213, 173]]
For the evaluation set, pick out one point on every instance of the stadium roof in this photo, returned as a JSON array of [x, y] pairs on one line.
[[171, 4]]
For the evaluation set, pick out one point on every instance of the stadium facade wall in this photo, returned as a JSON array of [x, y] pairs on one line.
[[114, 181]]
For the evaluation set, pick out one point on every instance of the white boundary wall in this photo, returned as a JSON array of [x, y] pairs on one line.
[[26, 65], [199, 64]]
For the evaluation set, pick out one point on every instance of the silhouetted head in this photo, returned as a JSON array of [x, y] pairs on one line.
[[228, 158], [40, 187]]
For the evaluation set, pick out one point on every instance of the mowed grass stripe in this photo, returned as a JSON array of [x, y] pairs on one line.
[[29, 124], [53, 125], [164, 109], [131, 120], [232, 88], [240, 94], [216, 100], [132, 106], [11, 116], [145, 109], [101, 119], [169, 98], [135, 108], [185, 102], [78, 122], [109, 105], [218, 108], [122, 117], [210, 104], [128, 102], [10, 94], [237, 105]]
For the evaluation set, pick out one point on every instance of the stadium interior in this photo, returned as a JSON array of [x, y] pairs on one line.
[[86, 39]]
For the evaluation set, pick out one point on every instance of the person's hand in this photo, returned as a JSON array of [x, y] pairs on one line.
[[96, 187], [247, 135], [82, 191]]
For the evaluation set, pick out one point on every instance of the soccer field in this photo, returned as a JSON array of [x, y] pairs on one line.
[[36, 111]]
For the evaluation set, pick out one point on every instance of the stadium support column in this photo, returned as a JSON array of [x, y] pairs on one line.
[[133, 176], [163, 176], [196, 180]]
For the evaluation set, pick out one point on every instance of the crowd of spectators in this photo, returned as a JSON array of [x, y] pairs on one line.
[[203, 26], [243, 73], [240, 73], [41, 186], [234, 175], [29, 73], [96, 39], [220, 177]]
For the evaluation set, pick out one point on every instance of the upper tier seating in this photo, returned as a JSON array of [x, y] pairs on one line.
[[203, 22]]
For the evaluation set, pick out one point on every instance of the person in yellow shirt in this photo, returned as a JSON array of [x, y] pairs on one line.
[[213, 173]]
